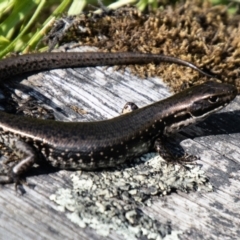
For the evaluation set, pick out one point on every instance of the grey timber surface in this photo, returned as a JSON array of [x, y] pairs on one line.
[[102, 92]]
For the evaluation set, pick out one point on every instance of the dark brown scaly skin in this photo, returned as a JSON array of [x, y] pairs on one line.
[[94, 145], [44, 61]]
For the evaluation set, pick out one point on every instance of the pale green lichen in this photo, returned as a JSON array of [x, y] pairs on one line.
[[110, 200]]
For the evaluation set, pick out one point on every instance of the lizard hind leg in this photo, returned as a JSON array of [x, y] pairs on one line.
[[17, 168]]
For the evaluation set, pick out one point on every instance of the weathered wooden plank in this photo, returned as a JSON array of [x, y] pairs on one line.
[[102, 92]]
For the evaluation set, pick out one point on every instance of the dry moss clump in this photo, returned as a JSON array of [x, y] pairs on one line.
[[195, 31]]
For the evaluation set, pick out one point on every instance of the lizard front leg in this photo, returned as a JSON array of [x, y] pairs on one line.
[[160, 147]]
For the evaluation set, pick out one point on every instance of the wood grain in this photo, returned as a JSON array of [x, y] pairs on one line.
[[102, 92]]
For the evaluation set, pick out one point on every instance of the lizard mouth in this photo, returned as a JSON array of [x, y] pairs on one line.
[[199, 116]]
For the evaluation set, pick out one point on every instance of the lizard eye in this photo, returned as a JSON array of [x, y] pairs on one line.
[[213, 99]]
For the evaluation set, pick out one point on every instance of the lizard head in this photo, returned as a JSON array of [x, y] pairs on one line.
[[197, 103]]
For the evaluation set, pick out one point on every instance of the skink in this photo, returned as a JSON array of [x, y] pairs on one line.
[[94, 145]]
